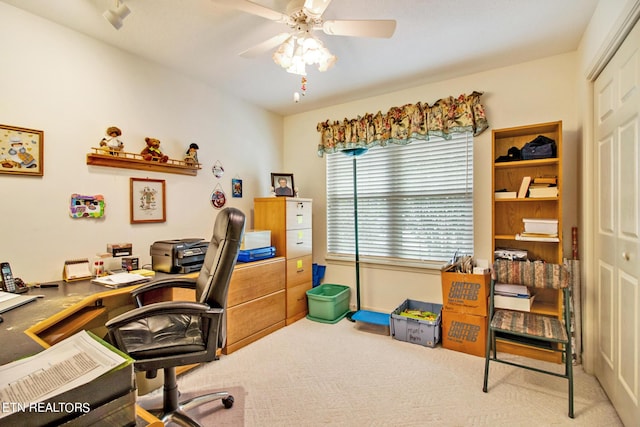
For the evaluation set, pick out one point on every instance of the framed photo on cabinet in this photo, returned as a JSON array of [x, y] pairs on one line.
[[147, 200], [282, 184], [21, 151]]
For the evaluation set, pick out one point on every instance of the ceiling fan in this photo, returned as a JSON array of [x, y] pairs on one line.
[[303, 17]]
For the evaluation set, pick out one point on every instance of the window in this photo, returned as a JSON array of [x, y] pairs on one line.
[[415, 201]]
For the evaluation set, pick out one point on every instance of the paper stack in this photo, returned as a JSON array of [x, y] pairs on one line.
[[543, 187], [120, 280], [542, 230], [512, 297]]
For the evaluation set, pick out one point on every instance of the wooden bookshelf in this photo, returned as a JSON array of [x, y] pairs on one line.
[[507, 215]]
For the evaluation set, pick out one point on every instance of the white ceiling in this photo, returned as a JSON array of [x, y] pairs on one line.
[[434, 40]]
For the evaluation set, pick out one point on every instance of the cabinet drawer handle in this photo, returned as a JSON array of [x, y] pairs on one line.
[[300, 270], [625, 256]]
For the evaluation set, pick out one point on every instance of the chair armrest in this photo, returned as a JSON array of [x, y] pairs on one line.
[[163, 308], [178, 282]]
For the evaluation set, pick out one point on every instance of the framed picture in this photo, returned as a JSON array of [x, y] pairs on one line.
[[282, 184], [147, 200], [236, 185], [21, 151], [86, 206]]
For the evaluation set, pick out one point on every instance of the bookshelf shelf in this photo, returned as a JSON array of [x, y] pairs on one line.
[[526, 163], [528, 200]]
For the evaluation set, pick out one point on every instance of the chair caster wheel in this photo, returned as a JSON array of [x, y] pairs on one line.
[[228, 402]]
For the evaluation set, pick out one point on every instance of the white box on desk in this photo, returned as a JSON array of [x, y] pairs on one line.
[[255, 239]]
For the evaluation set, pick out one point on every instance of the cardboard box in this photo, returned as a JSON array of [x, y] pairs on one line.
[[464, 332], [255, 239], [417, 331], [465, 293]]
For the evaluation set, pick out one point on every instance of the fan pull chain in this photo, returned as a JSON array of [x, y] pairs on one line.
[[303, 90]]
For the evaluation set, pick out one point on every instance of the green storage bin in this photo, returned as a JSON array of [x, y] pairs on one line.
[[328, 303]]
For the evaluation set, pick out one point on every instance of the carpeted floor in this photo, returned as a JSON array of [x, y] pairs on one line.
[[310, 374]]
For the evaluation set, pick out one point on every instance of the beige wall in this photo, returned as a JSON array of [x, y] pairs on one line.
[[73, 88], [533, 92]]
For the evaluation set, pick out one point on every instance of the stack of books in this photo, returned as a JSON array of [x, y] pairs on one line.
[[504, 194], [543, 186], [512, 297], [541, 230]]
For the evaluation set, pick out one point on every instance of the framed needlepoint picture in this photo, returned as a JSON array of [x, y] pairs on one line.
[[21, 151], [147, 200]]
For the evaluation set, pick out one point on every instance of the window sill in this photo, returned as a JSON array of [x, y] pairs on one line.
[[387, 263]]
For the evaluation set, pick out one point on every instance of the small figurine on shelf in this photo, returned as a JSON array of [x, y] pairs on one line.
[[110, 143], [152, 152], [191, 156]]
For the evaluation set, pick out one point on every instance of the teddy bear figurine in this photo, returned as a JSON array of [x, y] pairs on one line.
[[152, 152], [110, 143]]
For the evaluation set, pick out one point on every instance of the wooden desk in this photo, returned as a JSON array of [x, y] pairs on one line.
[[62, 312], [256, 307], [61, 299]]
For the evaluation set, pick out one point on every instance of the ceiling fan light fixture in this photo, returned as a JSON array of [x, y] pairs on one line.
[[283, 56], [327, 60], [116, 15], [299, 50], [297, 66]]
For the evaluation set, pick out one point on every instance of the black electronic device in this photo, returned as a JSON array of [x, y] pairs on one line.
[[8, 282]]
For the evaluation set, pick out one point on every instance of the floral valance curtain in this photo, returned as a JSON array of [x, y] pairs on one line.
[[402, 125]]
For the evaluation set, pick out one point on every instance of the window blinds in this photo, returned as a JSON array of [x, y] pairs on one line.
[[415, 201]]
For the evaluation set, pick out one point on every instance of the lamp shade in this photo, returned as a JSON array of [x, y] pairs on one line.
[[302, 49]]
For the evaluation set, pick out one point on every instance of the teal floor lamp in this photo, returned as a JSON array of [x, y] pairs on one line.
[[359, 315]]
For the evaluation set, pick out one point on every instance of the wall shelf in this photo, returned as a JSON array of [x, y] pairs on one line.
[[126, 160]]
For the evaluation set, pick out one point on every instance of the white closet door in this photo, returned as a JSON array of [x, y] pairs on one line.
[[617, 135]]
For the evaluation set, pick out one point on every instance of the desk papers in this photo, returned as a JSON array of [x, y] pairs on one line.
[[9, 300], [70, 363], [120, 280]]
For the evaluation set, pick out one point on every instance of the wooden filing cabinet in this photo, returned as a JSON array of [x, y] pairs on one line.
[[289, 220], [256, 302]]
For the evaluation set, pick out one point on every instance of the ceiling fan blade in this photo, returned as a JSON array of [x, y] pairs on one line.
[[364, 28], [254, 9], [265, 46], [316, 7]]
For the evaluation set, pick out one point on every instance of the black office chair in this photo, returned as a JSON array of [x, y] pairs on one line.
[[167, 334], [544, 331]]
